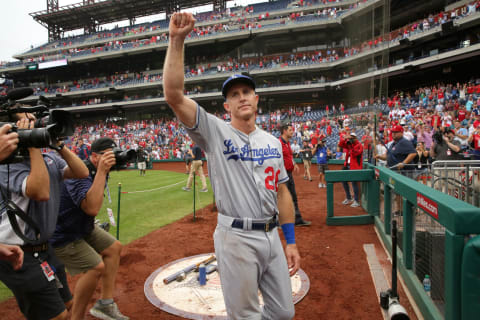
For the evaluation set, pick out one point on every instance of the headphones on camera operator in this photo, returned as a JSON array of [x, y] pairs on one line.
[[50, 127]]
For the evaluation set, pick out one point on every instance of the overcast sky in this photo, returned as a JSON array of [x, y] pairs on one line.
[[20, 31]]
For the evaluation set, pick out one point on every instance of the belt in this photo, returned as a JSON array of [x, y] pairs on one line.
[[35, 248], [265, 226]]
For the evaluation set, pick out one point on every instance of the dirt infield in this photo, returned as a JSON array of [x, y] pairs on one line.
[[341, 286]]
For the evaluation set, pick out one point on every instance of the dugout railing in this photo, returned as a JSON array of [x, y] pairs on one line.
[[438, 235]]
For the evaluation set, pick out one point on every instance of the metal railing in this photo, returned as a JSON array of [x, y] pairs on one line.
[[457, 178]]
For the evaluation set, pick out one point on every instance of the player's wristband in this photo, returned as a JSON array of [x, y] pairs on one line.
[[289, 232]]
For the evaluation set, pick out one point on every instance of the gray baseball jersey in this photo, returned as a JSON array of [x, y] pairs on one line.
[[244, 170]]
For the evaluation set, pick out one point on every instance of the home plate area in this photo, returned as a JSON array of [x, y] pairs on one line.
[[188, 299]]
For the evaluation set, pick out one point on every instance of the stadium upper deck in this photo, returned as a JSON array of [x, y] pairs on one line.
[[155, 32], [340, 62]]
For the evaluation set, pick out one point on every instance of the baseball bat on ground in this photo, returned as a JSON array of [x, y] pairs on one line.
[[188, 269]]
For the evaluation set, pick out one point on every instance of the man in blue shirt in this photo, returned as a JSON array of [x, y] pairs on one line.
[[39, 284], [82, 150], [321, 152], [81, 245], [401, 152]]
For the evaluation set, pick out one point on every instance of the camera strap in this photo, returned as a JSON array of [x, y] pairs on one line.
[[12, 210]]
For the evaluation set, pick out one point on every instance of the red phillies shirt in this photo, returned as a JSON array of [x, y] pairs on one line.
[[476, 141], [287, 155]]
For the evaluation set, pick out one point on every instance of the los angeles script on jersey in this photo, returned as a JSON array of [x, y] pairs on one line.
[[246, 153]]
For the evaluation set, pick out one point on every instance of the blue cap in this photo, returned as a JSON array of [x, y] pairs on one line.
[[236, 78]]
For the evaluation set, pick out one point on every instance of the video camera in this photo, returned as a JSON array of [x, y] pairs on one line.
[[122, 157], [438, 137], [50, 127]]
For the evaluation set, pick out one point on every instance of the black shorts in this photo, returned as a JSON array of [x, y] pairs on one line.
[[188, 161], [37, 297], [322, 167]]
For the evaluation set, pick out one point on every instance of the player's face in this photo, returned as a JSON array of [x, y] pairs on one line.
[[241, 102]]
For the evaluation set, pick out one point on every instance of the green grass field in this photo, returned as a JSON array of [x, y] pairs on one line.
[[162, 202]]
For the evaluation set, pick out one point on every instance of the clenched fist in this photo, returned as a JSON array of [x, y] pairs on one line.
[[181, 24]]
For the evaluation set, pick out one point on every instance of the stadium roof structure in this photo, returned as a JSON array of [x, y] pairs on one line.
[[80, 15]]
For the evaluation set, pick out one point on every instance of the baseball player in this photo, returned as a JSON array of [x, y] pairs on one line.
[[248, 178]]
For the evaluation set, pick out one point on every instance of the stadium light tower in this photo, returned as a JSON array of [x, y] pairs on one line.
[[53, 29]]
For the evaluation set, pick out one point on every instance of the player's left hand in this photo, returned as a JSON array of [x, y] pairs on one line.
[[293, 258]]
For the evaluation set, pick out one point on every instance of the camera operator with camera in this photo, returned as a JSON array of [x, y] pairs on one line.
[[306, 155], [445, 147], [30, 194], [8, 144], [353, 161], [83, 246]]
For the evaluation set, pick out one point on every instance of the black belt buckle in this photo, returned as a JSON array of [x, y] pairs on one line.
[[35, 248]]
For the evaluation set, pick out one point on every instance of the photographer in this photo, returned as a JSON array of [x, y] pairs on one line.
[[40, 285], [353, 161], [81, 245], [142, 158], [8, 141], [196, 166], [445, 147], [306, 155]]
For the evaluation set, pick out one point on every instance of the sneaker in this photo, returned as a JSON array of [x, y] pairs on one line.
[[320, 185], [186, 189], [107, 311], [324, 185], [204, 190], [355, 204], [302, 223], [304, 178], [347, 201]]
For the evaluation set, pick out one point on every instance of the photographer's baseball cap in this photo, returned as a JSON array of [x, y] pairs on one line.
[[236, 78], [397, 128], [102, 144], [353, 134]]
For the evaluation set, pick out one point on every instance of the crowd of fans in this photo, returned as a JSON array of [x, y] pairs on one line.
[[437, 108], [228, 64]]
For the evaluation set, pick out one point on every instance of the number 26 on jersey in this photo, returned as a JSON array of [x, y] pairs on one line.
[[271, 180]]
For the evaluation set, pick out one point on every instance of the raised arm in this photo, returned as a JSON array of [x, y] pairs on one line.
[[181, 24], [76, 168]]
